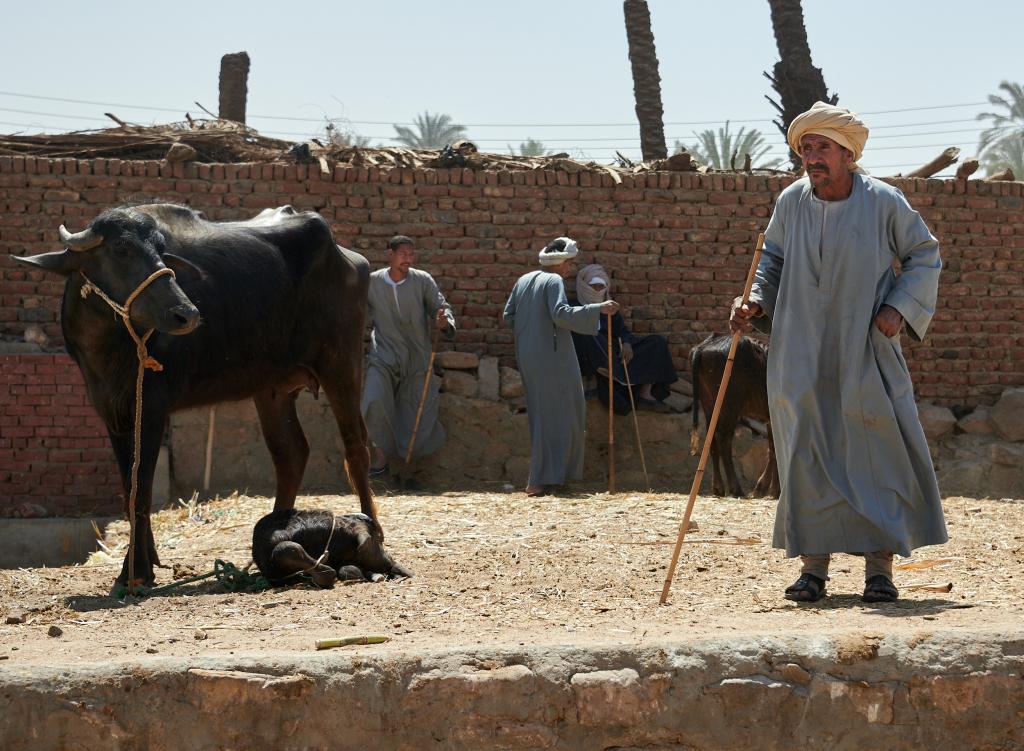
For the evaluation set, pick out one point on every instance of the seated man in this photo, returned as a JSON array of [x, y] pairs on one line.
[[650, 368]]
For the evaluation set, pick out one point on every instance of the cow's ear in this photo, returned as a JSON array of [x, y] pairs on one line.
[[59, 262], [183, 268]]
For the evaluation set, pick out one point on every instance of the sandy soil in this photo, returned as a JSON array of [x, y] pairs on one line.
[[503, 569]]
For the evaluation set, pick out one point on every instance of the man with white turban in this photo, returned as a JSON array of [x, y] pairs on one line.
[[542, 319], [854, 464]]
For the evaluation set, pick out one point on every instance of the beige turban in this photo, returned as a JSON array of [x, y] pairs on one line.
[[837, 123], [588, 276]]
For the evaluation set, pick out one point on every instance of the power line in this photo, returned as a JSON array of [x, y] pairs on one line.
[[471, 125]]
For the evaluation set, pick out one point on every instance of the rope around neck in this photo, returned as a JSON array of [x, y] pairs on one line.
[[146, 362]]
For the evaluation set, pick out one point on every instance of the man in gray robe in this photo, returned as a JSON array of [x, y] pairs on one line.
[[405, 305], [846, 263], [542, 319]]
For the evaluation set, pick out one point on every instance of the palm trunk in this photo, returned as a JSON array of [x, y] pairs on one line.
[[798, 83], [646, 81], [234, 75]]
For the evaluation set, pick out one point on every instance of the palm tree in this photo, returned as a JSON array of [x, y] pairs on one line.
[[432, 132], [530, 147], [646, 81], [717, 149], [795, 79], [1001, 145], [1006, 153]]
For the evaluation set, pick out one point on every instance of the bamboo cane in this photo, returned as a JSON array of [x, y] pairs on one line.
[[611, 411], [712, 424], [208, 465], [636, 422], [423, 396]]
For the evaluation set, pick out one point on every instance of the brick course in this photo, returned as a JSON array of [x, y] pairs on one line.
[[54, 450], [677, 244]]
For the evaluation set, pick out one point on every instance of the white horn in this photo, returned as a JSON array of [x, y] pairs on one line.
[[84, 240]]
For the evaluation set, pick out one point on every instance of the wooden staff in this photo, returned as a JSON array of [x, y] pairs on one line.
[[611, 411], [712, 424], [636, 422], [423, 395]]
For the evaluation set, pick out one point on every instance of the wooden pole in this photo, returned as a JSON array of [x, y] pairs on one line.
[[208, 466], [636, 422], [611, 411], [712, 424], [423, 396]]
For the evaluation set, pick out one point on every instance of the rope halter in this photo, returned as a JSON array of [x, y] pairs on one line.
[[124, 311]]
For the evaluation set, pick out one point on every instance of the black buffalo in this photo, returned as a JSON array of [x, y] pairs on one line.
[[745, 398], [286, 545], [258, 309]]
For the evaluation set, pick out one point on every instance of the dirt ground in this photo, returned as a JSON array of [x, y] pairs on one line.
[[504, 569]]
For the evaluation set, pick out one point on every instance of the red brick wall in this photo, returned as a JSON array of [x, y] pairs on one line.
[[677, 244], [54, 450]]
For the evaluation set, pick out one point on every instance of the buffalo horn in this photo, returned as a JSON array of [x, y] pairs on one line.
[[83, 240]]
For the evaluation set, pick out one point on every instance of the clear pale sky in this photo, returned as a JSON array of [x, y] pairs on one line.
[[509, 71]]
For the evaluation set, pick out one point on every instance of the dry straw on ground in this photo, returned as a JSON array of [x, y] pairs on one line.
[[504, 568]]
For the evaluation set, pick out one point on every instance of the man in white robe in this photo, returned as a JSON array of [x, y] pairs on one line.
[[405, 305], [542, 320], [846, 263]]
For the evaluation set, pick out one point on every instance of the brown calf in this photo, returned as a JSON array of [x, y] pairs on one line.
[[746, 398]]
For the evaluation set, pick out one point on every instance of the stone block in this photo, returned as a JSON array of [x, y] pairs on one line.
[[1008, 415], [937, 421], [1007, 454], [679, 402], [452, 360], [511, 383], [682, 387], [612, 697], [978, 422], [488, 379], [460, 383]]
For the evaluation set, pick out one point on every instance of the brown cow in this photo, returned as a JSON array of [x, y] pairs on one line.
[[746, 398]]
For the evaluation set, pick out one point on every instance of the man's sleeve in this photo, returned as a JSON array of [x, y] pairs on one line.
[[434, 301], [583, 319], [765, 290], [509, 314], [917, 286]]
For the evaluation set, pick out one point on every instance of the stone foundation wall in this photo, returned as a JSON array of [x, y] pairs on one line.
[[901, 691]]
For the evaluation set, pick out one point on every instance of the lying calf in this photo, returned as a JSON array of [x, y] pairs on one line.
[[288, 543]]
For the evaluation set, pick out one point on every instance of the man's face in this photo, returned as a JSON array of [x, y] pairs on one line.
[[599, 289], [401, 258], [825, 160]]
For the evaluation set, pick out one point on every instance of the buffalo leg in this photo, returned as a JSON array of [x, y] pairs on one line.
[[290, 558], [288, 446], [124, 447], [342, 380], [717, 486], [733, 481]]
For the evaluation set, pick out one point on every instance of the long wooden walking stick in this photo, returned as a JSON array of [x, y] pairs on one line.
[[636, 422], [611, 411], [712, 424], [423, 396]]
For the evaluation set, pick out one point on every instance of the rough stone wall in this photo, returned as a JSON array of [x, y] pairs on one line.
[[54, 450], [899, 690]]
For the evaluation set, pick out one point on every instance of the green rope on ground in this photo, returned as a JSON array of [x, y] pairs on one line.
[[228, 575]]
